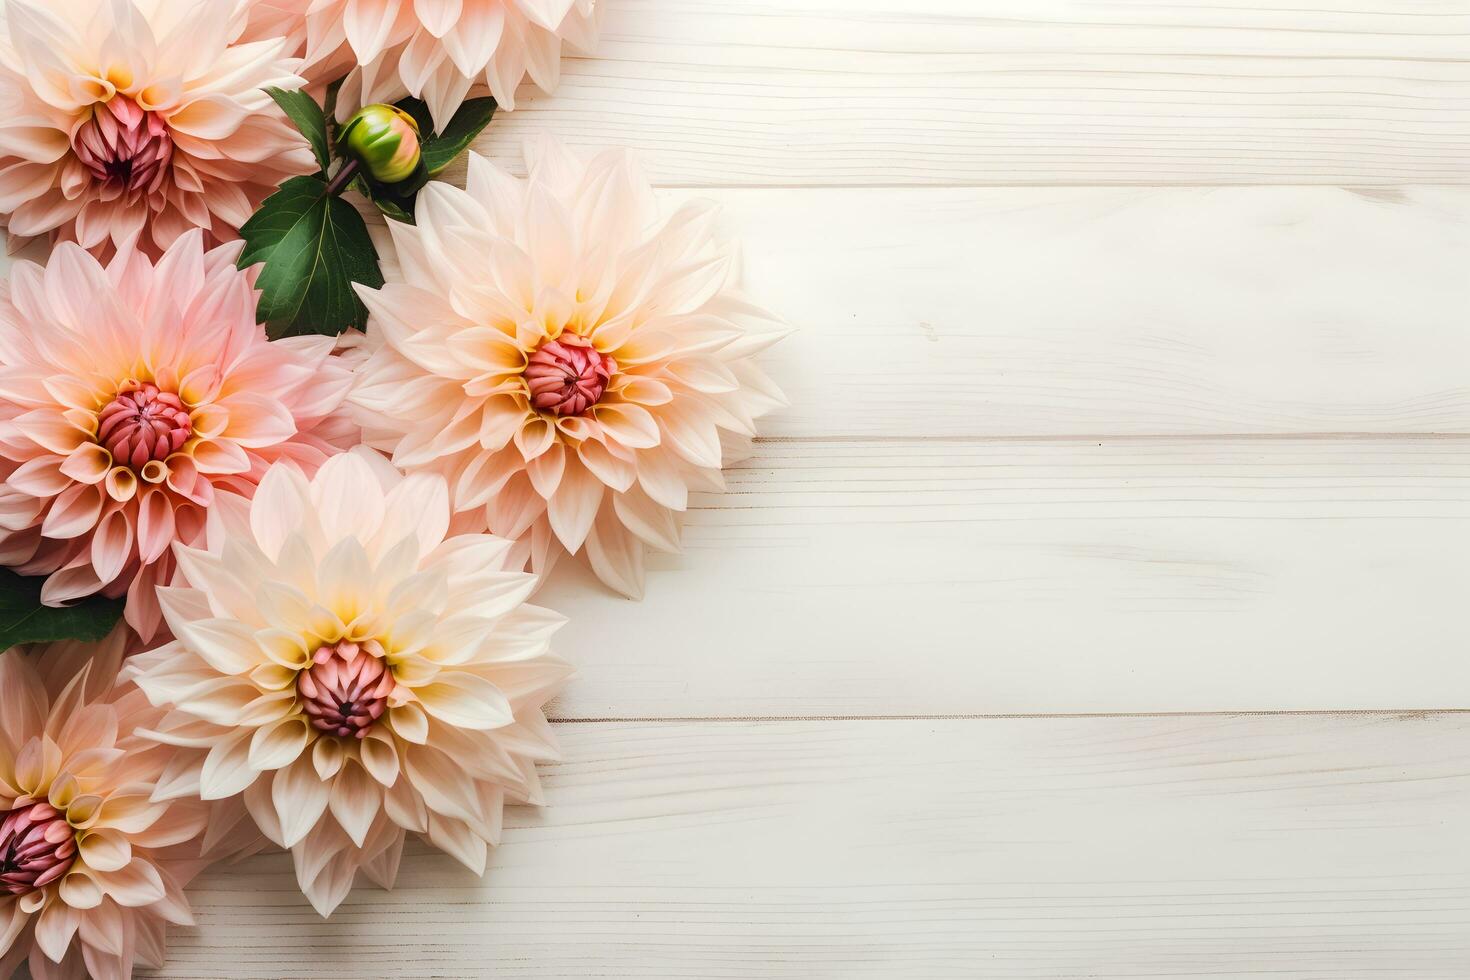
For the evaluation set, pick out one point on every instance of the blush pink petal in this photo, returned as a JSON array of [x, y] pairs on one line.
[[118, 428], [571, 361], [178, 134], [442, 51], [92, 869]]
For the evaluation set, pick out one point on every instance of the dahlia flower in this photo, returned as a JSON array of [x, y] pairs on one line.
[[442, 51], [91, 869], [130, 394], [354, 673], [566, 362], [135, 120]]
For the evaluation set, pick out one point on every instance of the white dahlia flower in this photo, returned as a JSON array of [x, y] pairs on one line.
[[564, 359], [442, 51], [128, 121], [355, 673]]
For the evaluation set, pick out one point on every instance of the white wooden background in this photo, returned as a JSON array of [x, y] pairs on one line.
[[1099, 608]]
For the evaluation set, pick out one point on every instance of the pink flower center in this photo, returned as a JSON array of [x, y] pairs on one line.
[[125, 147], [37, 846], [567, 376], [143, 423], [345, 690]]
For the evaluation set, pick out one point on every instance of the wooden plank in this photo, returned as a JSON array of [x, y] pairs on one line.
[[1063, 311], [1296, 848], [1046, 311], [856, 92], [896, 578]]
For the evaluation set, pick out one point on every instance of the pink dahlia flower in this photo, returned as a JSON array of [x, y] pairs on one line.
[[129, 395], [355, 672], [91, 867], [442, 51], [567, 362], [136, 120]]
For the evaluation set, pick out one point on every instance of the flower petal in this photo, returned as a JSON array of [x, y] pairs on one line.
[[227, 768], [355, 799], [300, 797], [465, 701], [278, 745]]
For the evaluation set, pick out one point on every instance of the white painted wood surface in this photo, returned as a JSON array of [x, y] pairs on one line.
[[862, 92], [969, 576], [1192, 444], [1307, 848], [929, 312]]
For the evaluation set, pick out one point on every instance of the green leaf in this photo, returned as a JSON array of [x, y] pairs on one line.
[[307, 116], [441, 149], [314, 248], [394, 210], [24, 620]]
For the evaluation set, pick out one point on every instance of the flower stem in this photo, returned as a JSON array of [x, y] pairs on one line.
[[344, 177]]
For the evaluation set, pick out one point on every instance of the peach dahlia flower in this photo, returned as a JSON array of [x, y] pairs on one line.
[[129, 395], [565, 360], [91, 868], [355, 673], [442, 51], [136, 120]]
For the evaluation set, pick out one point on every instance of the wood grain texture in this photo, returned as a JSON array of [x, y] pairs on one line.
[[1166, 446], [1306, 848], [957, 577], [923, 312], [860, 92], [1046, 311]]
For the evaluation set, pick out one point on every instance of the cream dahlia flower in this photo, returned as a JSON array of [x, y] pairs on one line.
[[564, 360], [137, 120], [91, 868], [354, 673], [129, 395], [442, 51]]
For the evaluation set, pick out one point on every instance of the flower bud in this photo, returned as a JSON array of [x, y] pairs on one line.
[[384, 140]]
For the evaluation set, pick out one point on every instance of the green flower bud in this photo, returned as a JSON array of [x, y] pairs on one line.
[[384, 140]]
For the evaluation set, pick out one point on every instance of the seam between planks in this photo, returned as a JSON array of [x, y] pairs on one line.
[[1122, 437], [1060, 184], [1405, 713]]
